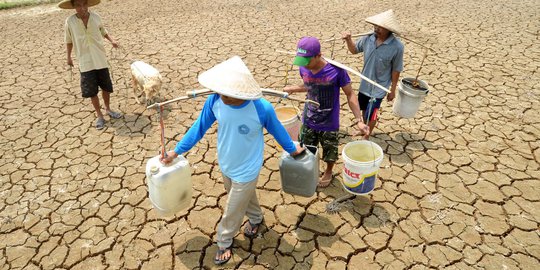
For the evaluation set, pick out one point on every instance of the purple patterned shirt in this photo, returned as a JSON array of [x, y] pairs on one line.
[[323, 87]]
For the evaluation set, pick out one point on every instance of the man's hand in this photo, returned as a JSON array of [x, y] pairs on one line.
[[289, 89], [70, 62], [298, 151], [113, 42], [391, 96], [171, 155], [346, 36], [363, 130]]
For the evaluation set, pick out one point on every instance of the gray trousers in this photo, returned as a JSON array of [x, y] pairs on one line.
[[242, 200]]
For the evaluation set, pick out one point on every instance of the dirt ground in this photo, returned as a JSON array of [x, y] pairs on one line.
[[458, 189]]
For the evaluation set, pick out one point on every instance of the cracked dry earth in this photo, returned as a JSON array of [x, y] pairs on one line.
[[458, 188]]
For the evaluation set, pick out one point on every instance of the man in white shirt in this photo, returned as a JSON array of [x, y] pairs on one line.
[[84, 31]]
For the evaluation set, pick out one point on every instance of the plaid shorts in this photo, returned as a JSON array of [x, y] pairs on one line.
[[91, 80], [328, 139]]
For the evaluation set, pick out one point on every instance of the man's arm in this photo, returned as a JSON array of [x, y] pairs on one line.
[[69, 47], [69, 42], [109, 38], [395, 78], [196, 131], [355, 108], [397, 67], [295, 88], [350, 44]]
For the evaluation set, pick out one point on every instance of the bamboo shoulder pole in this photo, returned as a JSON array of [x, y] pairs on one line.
[[400, 36], [421, 45], [355, 35], [338, 64], [190, 94], [272, 92], [204, 92], [368, 33]]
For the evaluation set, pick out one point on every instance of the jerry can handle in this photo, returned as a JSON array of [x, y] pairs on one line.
[[307, 148], [300, 155], [311, 148]]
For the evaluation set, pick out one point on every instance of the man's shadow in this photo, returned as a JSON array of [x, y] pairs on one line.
[[140, 122], [269, 248], [358, 210]]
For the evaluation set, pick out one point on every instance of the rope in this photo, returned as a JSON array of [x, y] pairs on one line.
[[287, 68], [368, 110], [162, 128], [333, 45], [285, 80], [115, 57]]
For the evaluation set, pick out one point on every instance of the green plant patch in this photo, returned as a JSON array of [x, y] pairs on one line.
[[6, 4]]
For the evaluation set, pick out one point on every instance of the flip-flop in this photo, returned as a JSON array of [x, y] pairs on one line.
[[100, 123], [325, 183], [220, 252], [253, 229], [114, 115]]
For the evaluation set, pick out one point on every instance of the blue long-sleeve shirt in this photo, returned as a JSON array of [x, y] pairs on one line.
[[240, 142]]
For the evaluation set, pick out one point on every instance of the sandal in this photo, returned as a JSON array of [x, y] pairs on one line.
[[253, 229], [220, 253], [100, 123], [114, 115], [325, 183]]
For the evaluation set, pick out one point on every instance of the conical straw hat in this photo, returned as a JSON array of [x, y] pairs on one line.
[[231, 78], [386, 20], [66, 4]]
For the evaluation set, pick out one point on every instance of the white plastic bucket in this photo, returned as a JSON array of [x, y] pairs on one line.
[[359, 176], [169, 186], [289, 118], [409, 98]]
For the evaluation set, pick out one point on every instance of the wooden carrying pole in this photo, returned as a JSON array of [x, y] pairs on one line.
[[400, 36], [340, 65], [205, 92], [355, 35], [276, 93], [424, 46], [190, 94]]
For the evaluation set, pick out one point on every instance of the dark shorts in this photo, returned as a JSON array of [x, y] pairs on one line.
[[363, 101], [91, 80], [328, 139]]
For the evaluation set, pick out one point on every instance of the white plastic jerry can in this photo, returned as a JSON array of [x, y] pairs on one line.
[[169, 186]]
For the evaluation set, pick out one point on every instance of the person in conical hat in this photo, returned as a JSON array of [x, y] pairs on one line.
[[84, 32], [322, 82], [383, 62], [241, 113]]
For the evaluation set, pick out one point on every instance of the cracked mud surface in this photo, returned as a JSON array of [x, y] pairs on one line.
[[458, 188]]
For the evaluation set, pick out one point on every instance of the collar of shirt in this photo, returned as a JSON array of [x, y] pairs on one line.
[[388, 40]]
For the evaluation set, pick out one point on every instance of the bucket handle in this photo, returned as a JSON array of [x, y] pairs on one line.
[[413, 95]]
